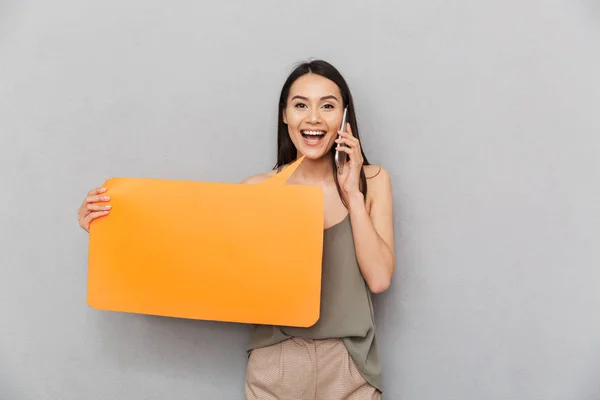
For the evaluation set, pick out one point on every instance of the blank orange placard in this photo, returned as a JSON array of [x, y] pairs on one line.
[[248, 253]]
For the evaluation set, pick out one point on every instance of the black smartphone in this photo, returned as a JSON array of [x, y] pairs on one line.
[[340, 156]]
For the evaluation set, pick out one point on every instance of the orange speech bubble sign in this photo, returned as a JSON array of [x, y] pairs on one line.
[[211, 251]]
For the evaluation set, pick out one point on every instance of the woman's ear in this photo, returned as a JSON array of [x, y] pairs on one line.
[[284, 116]]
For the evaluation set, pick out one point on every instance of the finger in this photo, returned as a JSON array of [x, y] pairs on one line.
[[353, 153], [347, 135], [349, 143], [96, 198], [81, 213], [98, 207], [85, 226], [346, 141], [345, 149], [349, 129], [92, 216], [97, 190]]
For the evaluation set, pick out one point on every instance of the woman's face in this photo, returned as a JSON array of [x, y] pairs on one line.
[[313, 114]]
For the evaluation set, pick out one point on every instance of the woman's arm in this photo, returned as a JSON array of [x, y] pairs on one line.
[[373, 231], [372, 222]]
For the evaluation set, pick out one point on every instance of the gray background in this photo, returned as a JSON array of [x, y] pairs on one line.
[[484, 112]]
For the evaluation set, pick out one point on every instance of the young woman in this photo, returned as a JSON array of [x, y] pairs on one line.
[[338, 357]]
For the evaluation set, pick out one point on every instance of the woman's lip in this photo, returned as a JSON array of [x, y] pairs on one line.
[[313, 140]]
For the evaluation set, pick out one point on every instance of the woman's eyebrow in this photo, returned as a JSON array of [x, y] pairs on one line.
[[322, 98]]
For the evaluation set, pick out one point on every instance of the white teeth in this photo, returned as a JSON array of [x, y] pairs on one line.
[[314, 133]]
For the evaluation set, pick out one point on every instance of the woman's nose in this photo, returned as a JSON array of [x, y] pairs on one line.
[[315, 116]]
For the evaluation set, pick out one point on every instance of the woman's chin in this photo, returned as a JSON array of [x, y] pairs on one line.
[[314, 154]]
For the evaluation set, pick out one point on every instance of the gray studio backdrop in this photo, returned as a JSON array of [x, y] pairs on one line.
[[486, 114]]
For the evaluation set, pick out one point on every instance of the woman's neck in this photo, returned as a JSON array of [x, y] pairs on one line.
[[314, 171]]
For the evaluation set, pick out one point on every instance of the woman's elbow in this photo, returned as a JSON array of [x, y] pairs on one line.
[[380, 285]]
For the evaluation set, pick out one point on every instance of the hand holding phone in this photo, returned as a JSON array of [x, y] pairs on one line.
[[340, 156]]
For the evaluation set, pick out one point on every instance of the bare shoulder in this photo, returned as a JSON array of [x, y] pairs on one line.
[[379, 185], [259, 178], [378, 178]]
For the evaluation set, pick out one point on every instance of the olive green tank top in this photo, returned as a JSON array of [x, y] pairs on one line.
[[346, 309]]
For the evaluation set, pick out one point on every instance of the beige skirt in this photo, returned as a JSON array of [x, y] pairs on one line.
[[303, 369]]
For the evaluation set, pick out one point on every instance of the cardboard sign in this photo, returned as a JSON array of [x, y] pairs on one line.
[[247, 253]]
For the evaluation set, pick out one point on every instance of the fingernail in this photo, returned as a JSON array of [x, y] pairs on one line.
[[105, 198], [103, 190], [108, 207]]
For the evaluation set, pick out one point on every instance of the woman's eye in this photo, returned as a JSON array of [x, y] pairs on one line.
[[300, 105], [328, 106]]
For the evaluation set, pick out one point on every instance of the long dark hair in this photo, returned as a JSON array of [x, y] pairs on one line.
[[286, 151]]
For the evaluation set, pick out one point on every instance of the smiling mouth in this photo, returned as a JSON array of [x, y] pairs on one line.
[[313, 135]]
